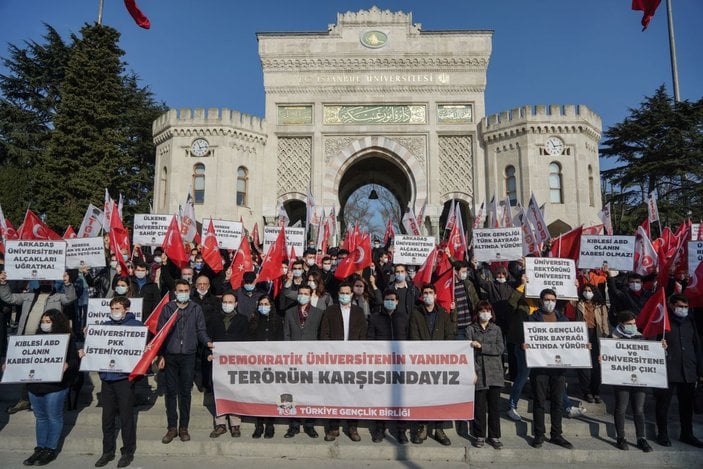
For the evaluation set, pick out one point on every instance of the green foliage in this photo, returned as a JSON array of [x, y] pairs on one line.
[[659, 147], [93, 128]]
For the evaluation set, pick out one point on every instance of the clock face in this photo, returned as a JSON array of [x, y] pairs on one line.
[[554, 146], [199, 147]]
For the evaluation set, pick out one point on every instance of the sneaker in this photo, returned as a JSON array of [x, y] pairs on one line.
[[597, 399], [575, 412], [495, 442], [20, 405], [34, 457], [513, 415], [643, 445], [46, 457], [621, 443]]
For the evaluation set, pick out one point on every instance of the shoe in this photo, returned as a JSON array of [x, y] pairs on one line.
[[258, 431], [575, 412], [560, 441], [330, 436], [46, 457], [104, 459], [415, 438], [423, 432], [441, 437], [310, 431], [183, 434], [663, 439], [537, 441], [621, 443], [513, 415], [589, 398], [125, 460], [377, 436], [479, 442], [354, 434], [691, 440], [643, 445], [235, 431], [291, 432], [34, 457], [20, 405], [495, 442], [597, 399], [402, 437], [268, 433], [219, 430], [169, 436]]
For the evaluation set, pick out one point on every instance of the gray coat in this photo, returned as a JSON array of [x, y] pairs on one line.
[[27, 300], [487, 359], [292, 330]]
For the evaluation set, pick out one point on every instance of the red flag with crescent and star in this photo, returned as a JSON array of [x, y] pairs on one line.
[[357, 260], [211, 252], [653, 320], [173, 245], [34, 229], [241, 263], [271, 265]]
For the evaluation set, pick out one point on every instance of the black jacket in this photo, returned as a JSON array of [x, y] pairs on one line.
[[188, 330], [384, 326], [150, 293], [238, 330], [684, 357], [266, 327]]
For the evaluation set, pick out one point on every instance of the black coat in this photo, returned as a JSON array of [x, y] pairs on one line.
[[266, 327], [684, 357], [238, 330], [384, 326]]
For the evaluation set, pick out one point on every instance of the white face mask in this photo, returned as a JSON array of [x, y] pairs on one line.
[[485, 316], [326, 267], [310, 262], [202, 292], [588, 295], [140, 274], [428, 299], [463, 275], [312, 285], [681, 312], [501, 279], [157, 259], [228, 307], [120, 290], [113, 264], [117, 317], [549, 306], [45, 327], [635, 286]]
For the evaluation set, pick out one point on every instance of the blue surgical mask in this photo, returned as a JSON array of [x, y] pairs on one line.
[[345, 298], [249, 287], [629, 329], [264, 309], [399, 277], [183, 297], [198, 265], [390, 305], [303, 299]]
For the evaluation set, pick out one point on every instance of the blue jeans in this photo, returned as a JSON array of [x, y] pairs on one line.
[[48, 412], [522, 374]]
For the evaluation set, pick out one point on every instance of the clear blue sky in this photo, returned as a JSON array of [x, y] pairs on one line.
[[204, 53]]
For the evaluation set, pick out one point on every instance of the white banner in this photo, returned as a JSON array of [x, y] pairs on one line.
[[695, 255], [295, 238], [99, 309], [35, 358], [627, 362], [85, 251], [92, 223], [35, 260], [498, 244], [551, 272], [228, 233], [557, 345], [412, 250], [617, 251], [150, 230], [389, 380], [113, 348]]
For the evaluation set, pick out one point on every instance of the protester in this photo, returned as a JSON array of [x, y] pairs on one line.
[[177, 356], [684, 367], [320, 299], [366, 296], [408, 294], [486, 338], [591, 309], [48, 399], [117, 397]]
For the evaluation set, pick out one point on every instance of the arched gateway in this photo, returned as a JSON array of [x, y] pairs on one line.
[[374, 99]]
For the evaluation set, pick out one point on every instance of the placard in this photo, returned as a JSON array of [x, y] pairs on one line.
[[295, 238], [99, 309], [113, 348], [35, 358], [557, 345], [228, 233], [150, 229], [85, 251], [628, 362], [695, 256], [35, 260], [498, 244], [551, 272], [390, 380], [617, 251], [412, 250]]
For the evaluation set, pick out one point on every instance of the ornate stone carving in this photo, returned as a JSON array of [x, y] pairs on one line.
[[454, 114], [333, 145], [310, 64], [455, 164], [415, 144], [375, 114], [305, 90], [294, 164], [294, 115]]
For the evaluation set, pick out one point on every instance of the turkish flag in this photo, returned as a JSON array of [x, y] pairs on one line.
[[255, 236], [325, 239], [456, 241], [646, 227], [653, 320], [568, 245], [694, 289], [211, 252], [424, 273], [646, 258], [69, 233], [390, 233], [153, 320], [139, 18], [292, 257], [173, 245], [10, 232], [241, 263], [357, 260], [34, 229], [271, 265], [444, 281], [153, 347], [648, 8], [593, 230]]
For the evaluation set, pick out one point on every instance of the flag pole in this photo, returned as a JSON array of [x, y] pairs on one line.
[[672, 51], [100, 12]]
